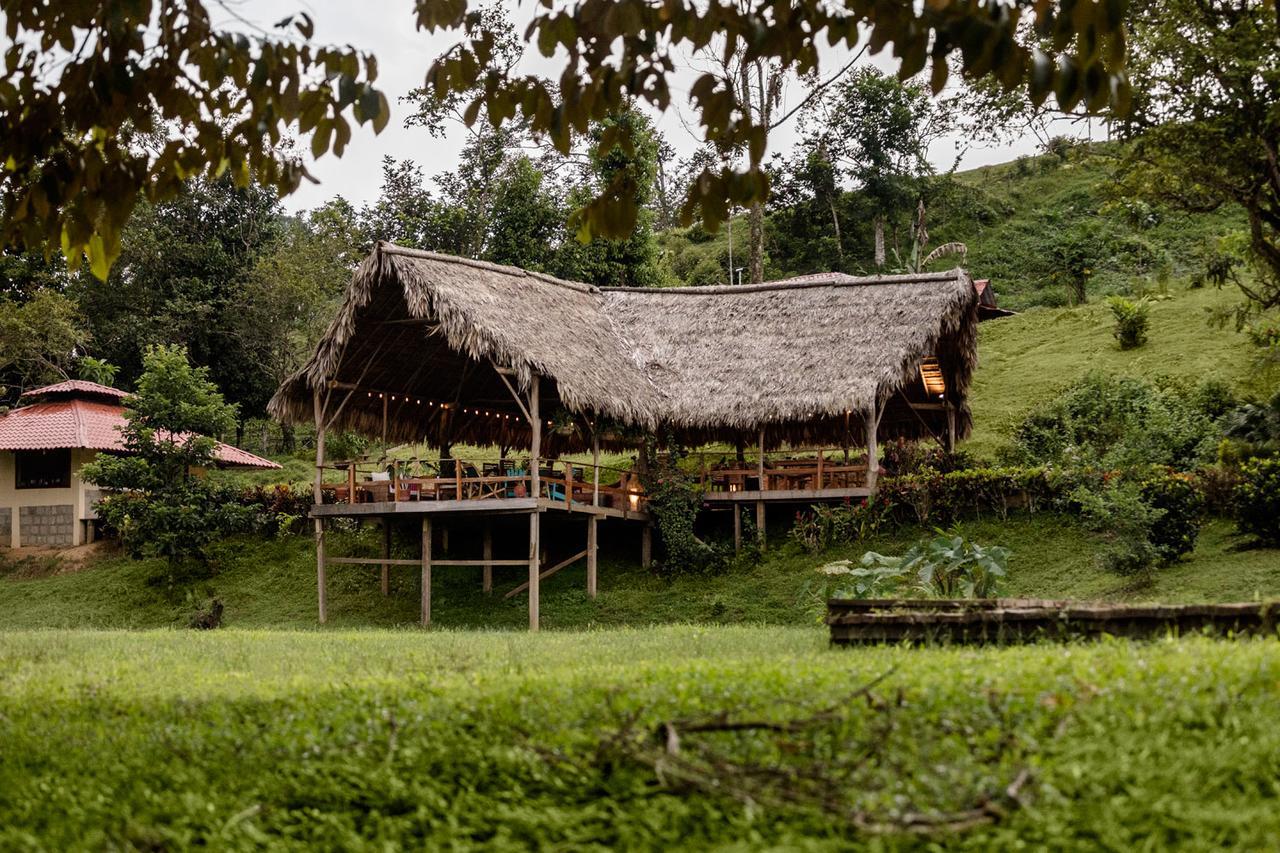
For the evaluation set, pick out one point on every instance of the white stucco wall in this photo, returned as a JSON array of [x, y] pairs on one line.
[[77, 496]]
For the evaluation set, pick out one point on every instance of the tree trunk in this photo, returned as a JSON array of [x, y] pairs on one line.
[[879, 223], [756, 263], [835, 220]]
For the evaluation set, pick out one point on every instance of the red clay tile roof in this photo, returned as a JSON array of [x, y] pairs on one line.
[[91, 424], [78, 387]]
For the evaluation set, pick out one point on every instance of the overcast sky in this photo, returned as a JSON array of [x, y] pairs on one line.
[[387, 29]]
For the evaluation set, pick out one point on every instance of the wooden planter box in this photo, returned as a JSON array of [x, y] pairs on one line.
[[1012, 620]]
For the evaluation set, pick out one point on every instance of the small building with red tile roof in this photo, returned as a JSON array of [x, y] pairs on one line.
[[44, 443]]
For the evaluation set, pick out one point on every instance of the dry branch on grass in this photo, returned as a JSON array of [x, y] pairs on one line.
[[814, 763]]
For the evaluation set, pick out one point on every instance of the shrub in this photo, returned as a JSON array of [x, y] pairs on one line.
[[823, 524], [1131, 321], [1118, 423], [1180, 502], [1257, 499], [279, 509], [1125, 522]]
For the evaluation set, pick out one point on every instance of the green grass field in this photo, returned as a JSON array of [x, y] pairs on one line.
[[245, 740]]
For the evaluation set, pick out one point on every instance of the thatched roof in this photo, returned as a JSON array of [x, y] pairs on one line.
[[792, 358]]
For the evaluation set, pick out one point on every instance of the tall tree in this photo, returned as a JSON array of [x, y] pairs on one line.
[[40, 340], [181, 279], [876, 131], [625, 169], [293, 290], [1206, 120]]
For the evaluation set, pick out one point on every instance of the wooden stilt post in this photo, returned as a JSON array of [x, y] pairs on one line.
[[384, 423], [386, 555], [591, 556], [646, 547], [322, 593], [760, 520], [951, 427], [426, 571], [487, 582], [872, 421], [535, 450], [737, 528], [595, 466]]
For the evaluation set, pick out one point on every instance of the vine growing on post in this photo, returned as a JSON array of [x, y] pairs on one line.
[[674, 499]]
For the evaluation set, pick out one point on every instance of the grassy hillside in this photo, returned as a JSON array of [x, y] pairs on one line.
[[1013, 218], [1026, 360], [272, 584], [387, 740]]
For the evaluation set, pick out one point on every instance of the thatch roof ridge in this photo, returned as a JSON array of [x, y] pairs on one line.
[[489, 266], [840, 281]]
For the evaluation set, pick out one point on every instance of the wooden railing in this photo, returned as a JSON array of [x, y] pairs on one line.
[[571, 483], [782, 470]]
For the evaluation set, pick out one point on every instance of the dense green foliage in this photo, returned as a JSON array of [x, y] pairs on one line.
[[619, 53], [1119, 422], [242, 740], [1258, 499]]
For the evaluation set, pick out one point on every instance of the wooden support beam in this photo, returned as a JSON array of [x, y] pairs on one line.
[[386, 556], [369, 561], [486, 584], [951, 427], [760, 523], [322, 591], [737, 529], [591, 556], [872, 425], [595, 466], [548, 573], [426, 571], [535, 517], [646, 547]]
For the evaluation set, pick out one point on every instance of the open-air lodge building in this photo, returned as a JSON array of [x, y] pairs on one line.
[[447, 351]]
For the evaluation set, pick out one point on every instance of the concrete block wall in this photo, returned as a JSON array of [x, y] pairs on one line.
[[51, 526]]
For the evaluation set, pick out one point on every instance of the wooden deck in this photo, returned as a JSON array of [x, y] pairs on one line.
[[787, 495], [475, 506]]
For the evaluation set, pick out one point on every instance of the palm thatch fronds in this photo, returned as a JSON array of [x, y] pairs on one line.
[[802, 360]]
